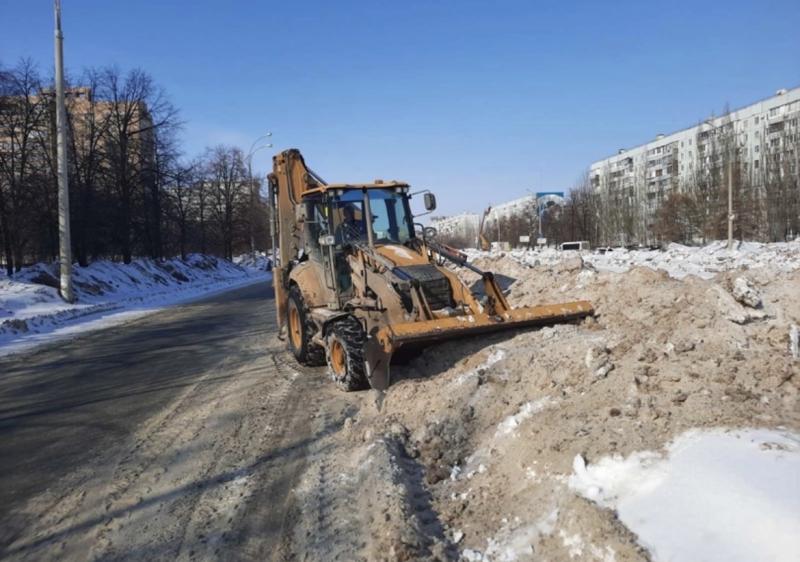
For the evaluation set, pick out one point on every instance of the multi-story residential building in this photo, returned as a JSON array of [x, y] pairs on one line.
[[462, 227], [502, 222], [522, 207], [28, 124], [111, 152], [762, 138]]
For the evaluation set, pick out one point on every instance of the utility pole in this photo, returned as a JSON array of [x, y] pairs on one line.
[[540, 209], [65, 244], [730, 203], [252, 208]]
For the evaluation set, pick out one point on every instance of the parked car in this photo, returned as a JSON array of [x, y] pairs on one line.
[[581, 245]]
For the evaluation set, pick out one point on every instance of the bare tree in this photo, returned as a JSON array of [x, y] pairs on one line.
[[180, 207], [23, 120], [137, 110], [227, 177], [673, 220], [88, 123]]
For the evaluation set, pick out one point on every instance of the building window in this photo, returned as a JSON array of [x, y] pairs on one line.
[[755, 164]]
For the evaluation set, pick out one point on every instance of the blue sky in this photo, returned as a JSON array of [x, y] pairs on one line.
[[479, 101]]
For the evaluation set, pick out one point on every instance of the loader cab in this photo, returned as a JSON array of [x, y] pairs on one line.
[[376, 215], [340, 218]]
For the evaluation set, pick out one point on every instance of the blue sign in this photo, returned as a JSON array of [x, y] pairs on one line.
[[545, 197]]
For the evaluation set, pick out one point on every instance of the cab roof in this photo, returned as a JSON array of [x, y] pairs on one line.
[[356, 186]]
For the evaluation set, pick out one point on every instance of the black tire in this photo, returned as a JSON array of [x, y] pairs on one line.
[[300, 331], [347, 371]]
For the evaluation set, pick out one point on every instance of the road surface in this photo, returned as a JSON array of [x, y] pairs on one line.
[[178, 436]]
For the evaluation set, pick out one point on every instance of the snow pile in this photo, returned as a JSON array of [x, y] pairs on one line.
[[31, 310], [261, 261], [677, 260], [715, 495], [661, 356]]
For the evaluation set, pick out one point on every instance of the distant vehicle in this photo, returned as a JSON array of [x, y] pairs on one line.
[[581, 245], [604, 249]]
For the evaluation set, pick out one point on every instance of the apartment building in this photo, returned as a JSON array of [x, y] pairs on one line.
[[522, 207], [763, 138], [27, 124], [462, 227]]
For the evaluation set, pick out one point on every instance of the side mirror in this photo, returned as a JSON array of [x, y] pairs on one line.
[[429, 232], [430, 201]]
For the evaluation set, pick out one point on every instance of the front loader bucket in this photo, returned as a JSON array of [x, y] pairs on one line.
[[384, 342]]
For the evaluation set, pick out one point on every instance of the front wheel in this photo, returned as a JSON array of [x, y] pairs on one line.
[[301, 328], [345, 354]]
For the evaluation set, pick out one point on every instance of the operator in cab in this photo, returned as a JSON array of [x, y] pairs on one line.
[[351, 228]]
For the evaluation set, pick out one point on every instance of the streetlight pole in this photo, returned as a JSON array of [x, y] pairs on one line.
[[249, 158], [65, 244], [731, 150]]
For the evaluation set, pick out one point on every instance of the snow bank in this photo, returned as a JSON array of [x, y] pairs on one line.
[[32, 312], [677, 260], [260, 261], [715, 495]]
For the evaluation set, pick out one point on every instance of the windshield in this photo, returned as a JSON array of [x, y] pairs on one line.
[[391, 220]]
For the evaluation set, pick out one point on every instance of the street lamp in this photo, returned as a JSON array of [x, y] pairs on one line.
[[258, 140], [249, 159]]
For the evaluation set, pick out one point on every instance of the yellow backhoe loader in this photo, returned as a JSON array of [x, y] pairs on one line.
[[355, 279]]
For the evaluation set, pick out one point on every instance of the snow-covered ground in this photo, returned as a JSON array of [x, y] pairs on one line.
[[108, 293], [715, 496], [677, 260]]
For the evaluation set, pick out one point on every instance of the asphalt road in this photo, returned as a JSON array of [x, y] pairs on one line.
[[177, 436]]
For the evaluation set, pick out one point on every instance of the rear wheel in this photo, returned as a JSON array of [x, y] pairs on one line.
[[345, 354], [301, 328]]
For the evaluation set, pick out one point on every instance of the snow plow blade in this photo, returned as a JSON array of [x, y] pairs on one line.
[[384, 342]]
